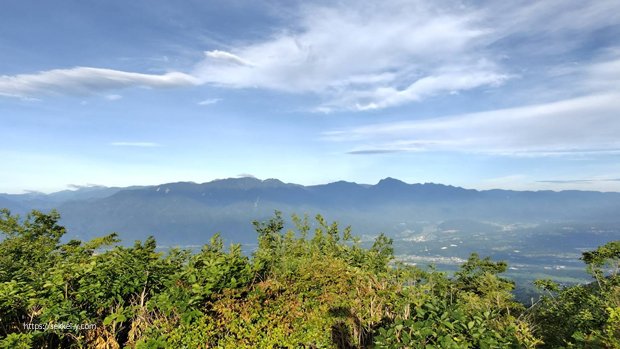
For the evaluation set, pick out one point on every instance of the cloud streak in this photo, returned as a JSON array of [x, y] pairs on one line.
[[373, 151], [85, 81], [577, 181], [227, 57], [113, 97], [135, 144], [84, 186], [582, 125], [429, 86], [209, 101]]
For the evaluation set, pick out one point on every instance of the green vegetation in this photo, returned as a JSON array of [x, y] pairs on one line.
[[314, 287]]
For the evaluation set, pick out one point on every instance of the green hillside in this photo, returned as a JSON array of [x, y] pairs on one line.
[[311, 287]]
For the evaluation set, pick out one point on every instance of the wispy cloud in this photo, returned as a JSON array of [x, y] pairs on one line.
[[526, 182], [562, 24], [85, 80], [84, 186], [135, 144], [209, 101], [364, 55], [464, 78], [227, 57], [569, 181], [113, 97], [360, 55], [586, 125], [373, 151], [604, 75]]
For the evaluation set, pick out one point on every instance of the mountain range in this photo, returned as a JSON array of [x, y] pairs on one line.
[[186, 213]]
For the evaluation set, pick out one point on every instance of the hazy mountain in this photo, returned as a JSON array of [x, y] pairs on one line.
[[22, 203], [188, 213]]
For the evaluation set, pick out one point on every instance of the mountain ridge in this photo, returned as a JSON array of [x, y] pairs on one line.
[[187, 211], [274, 182]]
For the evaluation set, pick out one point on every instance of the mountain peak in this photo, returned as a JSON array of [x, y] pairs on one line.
[[245, 183], [235, 183], [273, 182], [389, 181], [342, 184]]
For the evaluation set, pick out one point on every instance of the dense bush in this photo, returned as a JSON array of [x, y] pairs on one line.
[[312, 287], [585, 315]]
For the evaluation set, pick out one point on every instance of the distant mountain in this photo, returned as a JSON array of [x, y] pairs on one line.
[[22, 203], [187, 213]]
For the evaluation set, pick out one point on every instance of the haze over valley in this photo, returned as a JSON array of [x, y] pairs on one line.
[[541, 234]]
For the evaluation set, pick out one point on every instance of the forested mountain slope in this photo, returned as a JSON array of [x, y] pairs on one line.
[[187, 213]]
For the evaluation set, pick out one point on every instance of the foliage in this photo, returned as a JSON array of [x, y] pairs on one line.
[[473, 310], [583, 315], [314, 286]]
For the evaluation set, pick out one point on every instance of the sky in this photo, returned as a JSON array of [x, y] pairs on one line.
[[518, 95]]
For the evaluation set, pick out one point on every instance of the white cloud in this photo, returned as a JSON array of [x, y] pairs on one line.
[[451, 82], [527, 182], [583, 125], [227, 57], [85, 80], [135, 144], [604, 75], [209, 101], [113, 97], [84, 186], [552, 18], [363, 55]]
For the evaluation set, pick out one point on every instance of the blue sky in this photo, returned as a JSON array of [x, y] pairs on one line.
[[517, 95]]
